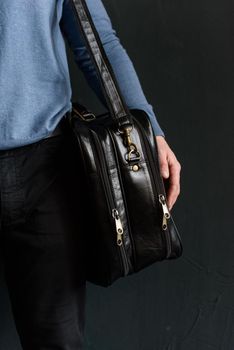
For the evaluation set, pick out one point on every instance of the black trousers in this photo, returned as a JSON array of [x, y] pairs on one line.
[[41, 243]]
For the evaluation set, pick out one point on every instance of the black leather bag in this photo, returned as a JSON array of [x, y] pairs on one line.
[[129, 226]]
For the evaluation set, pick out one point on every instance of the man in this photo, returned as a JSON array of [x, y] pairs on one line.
[[37, 214]]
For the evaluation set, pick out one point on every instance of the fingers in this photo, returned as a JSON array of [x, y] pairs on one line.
[[163, 152], [174, 188], [164, 168], [170, 168]]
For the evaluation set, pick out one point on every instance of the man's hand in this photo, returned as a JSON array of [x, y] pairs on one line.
[[170, 169]]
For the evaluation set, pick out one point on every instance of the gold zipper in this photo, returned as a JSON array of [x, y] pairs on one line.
[[166, 213], [118, 225]]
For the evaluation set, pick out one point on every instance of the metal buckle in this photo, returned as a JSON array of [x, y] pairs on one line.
[[87, 116]]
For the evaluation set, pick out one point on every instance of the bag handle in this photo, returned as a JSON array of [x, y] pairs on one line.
[[115, 101]]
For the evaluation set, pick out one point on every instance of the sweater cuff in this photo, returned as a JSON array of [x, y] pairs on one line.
[[156, 127], [154, 122]]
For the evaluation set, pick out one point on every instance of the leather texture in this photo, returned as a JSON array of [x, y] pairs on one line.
[[117, 106], [111, 183], [127, 228]]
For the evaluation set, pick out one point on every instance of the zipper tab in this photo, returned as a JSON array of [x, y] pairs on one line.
[[164, 206], [164, 223], [118, 225], [166, 213]]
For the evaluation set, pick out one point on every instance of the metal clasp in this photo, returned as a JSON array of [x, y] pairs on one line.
[[87, 116], [133, 154]]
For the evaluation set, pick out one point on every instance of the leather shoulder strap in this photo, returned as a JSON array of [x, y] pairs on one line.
[[115, 101]]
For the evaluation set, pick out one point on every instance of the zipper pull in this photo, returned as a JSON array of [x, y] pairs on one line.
[[164, 223], [166, 213], [118, 225]]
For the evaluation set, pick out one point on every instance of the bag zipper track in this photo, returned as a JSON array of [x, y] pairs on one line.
[[111, 204], [161, 195], [123, 193]]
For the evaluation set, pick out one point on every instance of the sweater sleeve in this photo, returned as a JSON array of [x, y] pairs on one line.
[[120, 61]]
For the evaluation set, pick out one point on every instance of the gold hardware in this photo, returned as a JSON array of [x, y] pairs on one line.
[[84, 116], [131, 147], [164, 223], [127, 135], [135, 167], [162, 200], [118, 225], [133, 150], [166, 213]]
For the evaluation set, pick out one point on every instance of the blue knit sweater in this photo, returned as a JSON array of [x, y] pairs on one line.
[[35, 89]]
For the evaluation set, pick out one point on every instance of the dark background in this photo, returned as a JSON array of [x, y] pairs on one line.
[[183, 53]]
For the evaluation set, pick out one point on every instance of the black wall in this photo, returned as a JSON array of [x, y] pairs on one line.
[[183, 52]]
